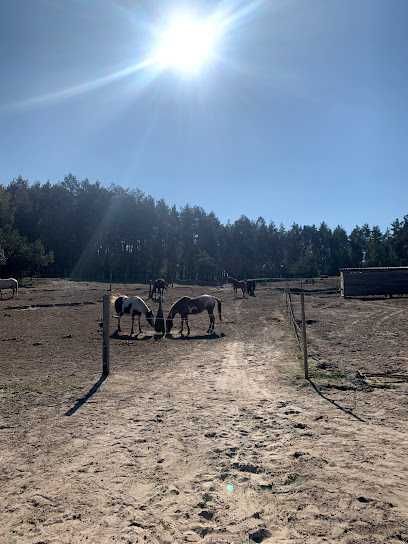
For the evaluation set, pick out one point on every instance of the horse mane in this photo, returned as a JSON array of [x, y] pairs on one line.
[[174, 310], [234, 280]]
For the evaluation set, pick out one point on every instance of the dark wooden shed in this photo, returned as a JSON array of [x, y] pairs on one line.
[[358, 282]]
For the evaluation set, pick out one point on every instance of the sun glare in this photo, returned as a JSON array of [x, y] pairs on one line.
[[187, 43]]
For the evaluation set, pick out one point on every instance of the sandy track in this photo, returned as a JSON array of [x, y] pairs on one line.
[[203, 441]]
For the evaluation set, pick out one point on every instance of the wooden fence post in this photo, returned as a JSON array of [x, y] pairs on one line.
[[305, 359], [106, 335]]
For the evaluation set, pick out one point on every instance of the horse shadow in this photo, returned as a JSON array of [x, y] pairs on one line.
[[213, 336], [139, 337]]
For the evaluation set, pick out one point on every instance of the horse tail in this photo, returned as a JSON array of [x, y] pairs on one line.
[[219, 308]]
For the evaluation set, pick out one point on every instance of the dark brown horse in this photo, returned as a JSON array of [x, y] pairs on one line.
[[186, 306], [250, 286], [238, 284], [158, 288]]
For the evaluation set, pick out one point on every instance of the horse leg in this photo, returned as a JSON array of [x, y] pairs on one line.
[[132, 332], [119, 329], [209, 325], [138, 320], [212, 322], [188, 327], [182, 326]]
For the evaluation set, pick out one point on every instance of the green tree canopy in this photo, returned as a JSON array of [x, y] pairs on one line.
[[85, 230]]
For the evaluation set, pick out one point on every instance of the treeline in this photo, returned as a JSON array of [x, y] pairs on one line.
[[84, 230]]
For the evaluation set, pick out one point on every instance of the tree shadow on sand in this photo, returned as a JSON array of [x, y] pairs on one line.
[[81, 401]]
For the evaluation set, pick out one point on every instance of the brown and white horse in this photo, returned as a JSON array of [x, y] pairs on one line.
[[133, 306], [238, 284], [9, 283], [186, 306]]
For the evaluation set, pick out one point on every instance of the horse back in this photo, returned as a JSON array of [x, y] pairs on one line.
[[8, 283]]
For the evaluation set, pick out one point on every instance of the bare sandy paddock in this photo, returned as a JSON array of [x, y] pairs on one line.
[[202, 440]]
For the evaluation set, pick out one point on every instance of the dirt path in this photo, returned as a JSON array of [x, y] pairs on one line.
[[216, 442]]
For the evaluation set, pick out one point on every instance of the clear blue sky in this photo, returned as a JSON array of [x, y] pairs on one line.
[[303, 116]]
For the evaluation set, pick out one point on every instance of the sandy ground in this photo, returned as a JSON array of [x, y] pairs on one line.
[[201, 440], [350, 336]]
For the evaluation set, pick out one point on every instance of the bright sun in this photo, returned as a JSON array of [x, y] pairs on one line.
[[187, 43]]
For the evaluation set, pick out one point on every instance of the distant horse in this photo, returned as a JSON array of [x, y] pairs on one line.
[[238, 284], [159, 286], [9, 283], [134, 306], [250, 285], [186, 306]]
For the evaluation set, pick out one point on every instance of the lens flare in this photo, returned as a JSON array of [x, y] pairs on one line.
[[187, 43]]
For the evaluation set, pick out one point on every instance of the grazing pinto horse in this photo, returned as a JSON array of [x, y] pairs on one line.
[[159, 286], [9, 283], [134, 306], [187, 305], [238, 284]]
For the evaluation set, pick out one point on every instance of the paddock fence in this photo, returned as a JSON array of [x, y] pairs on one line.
[[349, 344], [295, 310]]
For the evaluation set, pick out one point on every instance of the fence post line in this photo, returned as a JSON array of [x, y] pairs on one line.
[[106, 335], [305, 358]]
